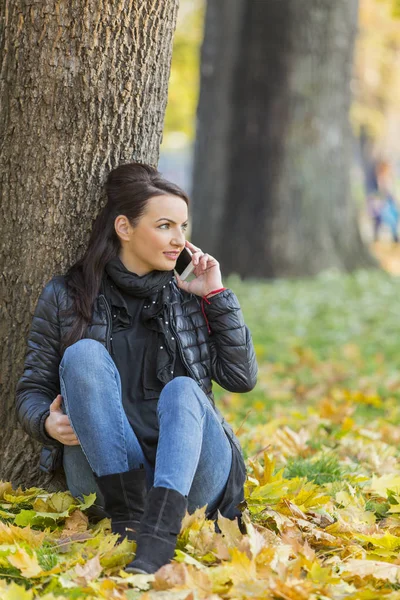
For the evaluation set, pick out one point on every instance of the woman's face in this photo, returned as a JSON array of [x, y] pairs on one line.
[[159, 237]]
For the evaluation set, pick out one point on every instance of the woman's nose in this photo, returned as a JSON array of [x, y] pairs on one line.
[[179, 238]]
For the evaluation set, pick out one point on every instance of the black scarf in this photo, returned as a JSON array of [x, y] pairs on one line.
[[154, 287], [151, 285]]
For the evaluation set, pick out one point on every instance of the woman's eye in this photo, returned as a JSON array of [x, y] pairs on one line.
[[167, 226]]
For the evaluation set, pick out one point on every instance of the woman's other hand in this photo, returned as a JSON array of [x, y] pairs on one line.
[[207, 273], [58, 426]]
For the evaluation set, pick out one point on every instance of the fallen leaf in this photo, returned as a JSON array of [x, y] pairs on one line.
[[89, 571], [28, 565]]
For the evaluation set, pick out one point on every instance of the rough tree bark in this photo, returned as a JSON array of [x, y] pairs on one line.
[[273, 152], [83, 87]]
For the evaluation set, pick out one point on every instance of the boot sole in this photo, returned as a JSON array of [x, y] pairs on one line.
[[137, 571]]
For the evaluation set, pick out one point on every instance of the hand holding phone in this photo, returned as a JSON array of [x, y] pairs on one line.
[[205, 268], [184, 265]]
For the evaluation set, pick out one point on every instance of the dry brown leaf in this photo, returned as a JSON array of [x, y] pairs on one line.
[[183, 576], [89, 571], [76, 523]]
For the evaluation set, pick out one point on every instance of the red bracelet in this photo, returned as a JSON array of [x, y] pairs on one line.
[[205, 299], [214, 292]]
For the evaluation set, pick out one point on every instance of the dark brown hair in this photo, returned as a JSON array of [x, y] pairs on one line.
[[128, 188]]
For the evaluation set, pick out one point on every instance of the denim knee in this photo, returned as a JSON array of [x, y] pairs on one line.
[[181, 392], [84, 351], [83, 359]]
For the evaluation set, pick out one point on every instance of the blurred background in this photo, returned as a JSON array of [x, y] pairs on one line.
[[283, 122], [284, 126]]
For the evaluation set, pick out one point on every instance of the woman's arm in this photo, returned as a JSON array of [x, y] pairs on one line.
[[233, 359], [40, 384]]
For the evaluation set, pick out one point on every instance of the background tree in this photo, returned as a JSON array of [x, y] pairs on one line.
[[83, 87], [375, 112], [273, 153]]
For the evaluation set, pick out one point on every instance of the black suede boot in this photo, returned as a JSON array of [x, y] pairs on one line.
[[159, 529], [124, 500]]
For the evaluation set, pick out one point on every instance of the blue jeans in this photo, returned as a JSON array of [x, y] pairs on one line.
[[194, 455]]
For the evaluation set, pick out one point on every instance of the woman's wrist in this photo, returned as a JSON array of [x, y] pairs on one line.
[[214, 291]]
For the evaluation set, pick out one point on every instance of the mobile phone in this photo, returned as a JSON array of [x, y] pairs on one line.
[[184, 265]]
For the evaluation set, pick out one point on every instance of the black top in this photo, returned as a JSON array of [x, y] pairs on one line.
[[133, 346]]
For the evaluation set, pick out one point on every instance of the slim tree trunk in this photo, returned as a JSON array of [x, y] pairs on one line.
[[285, 207], [83, 87]]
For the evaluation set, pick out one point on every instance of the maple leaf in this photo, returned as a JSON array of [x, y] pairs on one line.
[[183, 576], [377, 569], [21, 496], [390, 544], [89, 571], [28, 565], [230, 530], [76, 523], [10, 534], [14, 592], [291, 443], [5, 487], [381, 485], [88, 501], [44, 519], [242, 566], [59, 502], [118, 555]]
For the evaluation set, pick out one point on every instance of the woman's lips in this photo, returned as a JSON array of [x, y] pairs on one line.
[[172, 255]]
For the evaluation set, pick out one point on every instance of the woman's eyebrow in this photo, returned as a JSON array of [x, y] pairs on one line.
[[169, 220]]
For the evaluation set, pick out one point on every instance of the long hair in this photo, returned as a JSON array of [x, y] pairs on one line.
[[128, 188]]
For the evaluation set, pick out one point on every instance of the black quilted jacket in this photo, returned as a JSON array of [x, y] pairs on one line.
[[225, 355]]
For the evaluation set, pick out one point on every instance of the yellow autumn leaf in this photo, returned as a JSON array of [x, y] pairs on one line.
[[5, 487], [387, 541], [380, 485], [28, 565], [230, 530], [20, 496], [319, 574], [58, 502], [14, 592], [194, 520], [242, 566], [10, 534], [378, 569]]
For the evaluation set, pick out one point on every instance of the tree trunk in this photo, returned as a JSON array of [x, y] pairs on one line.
[[276, 198], [83, 88]]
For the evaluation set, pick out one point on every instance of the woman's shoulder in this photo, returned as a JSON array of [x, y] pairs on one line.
[[54, 290]]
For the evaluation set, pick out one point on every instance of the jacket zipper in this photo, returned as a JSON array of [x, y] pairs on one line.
[[180, 350], [108, 336]]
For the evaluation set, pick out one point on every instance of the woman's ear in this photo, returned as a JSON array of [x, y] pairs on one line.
[[123, 227]]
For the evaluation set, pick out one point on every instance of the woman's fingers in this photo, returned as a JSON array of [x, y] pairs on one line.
[[69, 439], [204, 260], [71, 443], [66, 430]]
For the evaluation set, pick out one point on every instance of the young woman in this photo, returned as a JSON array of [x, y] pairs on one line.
[[119, 365]]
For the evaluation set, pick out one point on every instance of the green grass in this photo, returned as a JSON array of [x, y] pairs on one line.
[[325, 469], [315, 335]]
